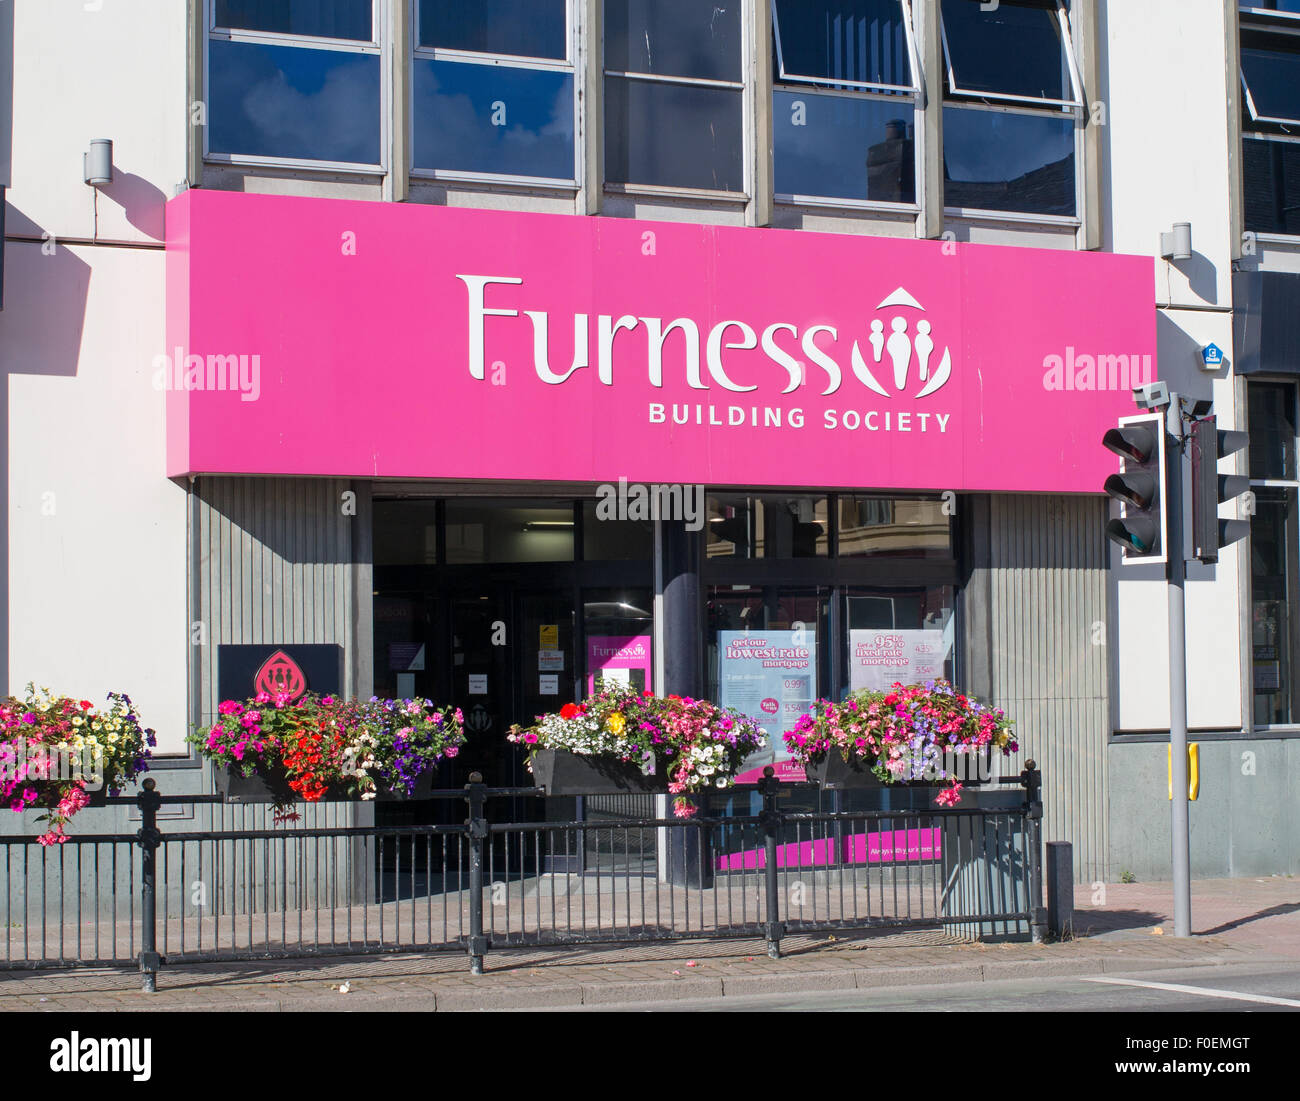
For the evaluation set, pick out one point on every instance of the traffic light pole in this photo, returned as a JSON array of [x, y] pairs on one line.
[[1176, 572]]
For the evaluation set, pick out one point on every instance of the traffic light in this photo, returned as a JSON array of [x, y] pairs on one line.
[[1210, 489], [1139, 486]]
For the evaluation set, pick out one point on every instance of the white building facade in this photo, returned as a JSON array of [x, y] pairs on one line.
[[137, 561]]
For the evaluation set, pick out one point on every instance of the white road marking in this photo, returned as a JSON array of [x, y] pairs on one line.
[[1205, 991]]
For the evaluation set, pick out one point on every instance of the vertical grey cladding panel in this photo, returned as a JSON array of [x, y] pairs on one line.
[[274, 565], [1047, 586]]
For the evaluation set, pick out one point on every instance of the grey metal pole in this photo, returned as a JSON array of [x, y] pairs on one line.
[[477, 941], [1177, 575]]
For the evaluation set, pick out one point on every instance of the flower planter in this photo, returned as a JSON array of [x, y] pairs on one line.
[[98, 798], [423, 790], [275, 789], [559, 772], [835, 774], [257, 788]]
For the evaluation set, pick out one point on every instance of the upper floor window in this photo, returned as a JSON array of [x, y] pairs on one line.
[[674, 94], [492, 87], [295, 80], [844, 101], [1013, 102], [1268, 7], [1270, 93]]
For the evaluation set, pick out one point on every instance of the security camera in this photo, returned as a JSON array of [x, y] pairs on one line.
[[1154, 395]]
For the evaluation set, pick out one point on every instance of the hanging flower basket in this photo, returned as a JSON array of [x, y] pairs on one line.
[[622, 740], [919, 734], [62, 755], [559, 772], [273, 749]]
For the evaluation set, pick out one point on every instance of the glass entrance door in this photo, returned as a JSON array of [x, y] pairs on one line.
[[481, 680]]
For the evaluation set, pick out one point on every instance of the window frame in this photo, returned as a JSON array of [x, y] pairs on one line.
[[378, 46], [1071, 64], [849, 89], [913, 55], [1292, 580], [745, 86], [1248, 98], [1027, 217], [1273, 23], [569, 64], [1249, 9], [966, 100]]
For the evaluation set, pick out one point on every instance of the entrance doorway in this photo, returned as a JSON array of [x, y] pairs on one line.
[[506, 609]]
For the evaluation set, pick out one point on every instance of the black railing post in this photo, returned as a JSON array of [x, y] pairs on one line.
[[770, 823], [149, 801], [1032, 780], [478, 833]]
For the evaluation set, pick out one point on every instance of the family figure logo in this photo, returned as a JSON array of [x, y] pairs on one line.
[[904, 351], [280, 674]]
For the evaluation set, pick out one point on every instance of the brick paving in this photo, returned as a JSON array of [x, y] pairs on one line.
[[1236, 921]]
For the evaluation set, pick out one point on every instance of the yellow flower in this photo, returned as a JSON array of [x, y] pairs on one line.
[[616, 723]]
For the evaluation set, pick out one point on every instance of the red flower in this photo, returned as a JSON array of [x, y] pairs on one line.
[[86, 705], [570, 711]]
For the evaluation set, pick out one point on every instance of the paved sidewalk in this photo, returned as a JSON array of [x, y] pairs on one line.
[[1237, 921]]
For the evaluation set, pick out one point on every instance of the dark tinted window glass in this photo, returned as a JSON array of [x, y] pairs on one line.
[[860, 40], [996, 160], [492, 118], [607, 539], [770, 526], [509, 531], [1272, 73], [1272, 178], [673, 38], [672, 135], [1013, 49], [281, 101], [843, 147], [1273, 625], [524, 28], [406, 533], [1272, 427], [894, 527], [319, 18], [1273, 5]]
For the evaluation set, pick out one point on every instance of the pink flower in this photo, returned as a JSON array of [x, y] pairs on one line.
[[230, 707], [683, 809], [452, 750], [530, 738], [950, 797], [73, 801]]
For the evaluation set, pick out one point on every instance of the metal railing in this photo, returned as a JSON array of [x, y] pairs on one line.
[[148, 899]]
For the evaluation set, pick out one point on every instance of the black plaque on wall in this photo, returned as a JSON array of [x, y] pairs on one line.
[[244, 671]]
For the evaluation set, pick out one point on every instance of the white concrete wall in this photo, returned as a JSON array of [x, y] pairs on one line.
[[97, 541], [1165, 160]]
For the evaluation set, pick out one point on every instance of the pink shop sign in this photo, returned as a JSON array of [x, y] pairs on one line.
[[332, 337]]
